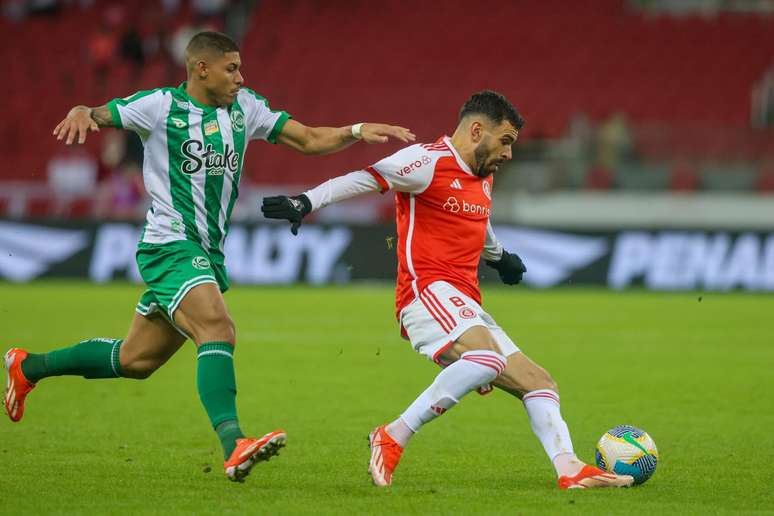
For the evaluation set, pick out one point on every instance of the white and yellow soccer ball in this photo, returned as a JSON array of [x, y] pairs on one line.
[[626, 450]]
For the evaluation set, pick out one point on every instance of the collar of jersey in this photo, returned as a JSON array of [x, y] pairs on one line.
[[464, 166], [192, 100]]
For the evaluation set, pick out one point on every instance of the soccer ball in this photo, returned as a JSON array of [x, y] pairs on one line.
[[626, 450]]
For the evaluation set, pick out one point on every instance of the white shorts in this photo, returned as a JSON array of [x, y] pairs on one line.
[[441, 313]]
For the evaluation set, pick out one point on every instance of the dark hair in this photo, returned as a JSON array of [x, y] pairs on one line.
[[216, 41], [494, 106]]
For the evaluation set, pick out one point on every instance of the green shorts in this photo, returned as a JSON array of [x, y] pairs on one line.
[[171, 270]]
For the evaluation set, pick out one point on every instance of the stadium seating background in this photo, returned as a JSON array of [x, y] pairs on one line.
[[414, 64]]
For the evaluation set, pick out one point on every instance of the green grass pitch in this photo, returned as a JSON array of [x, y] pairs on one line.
[[327, 365]]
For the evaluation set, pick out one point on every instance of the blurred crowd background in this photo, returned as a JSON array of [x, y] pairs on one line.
[[630, 106]]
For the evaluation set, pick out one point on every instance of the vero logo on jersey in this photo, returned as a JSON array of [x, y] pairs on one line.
[[216, 163], [408, 169]]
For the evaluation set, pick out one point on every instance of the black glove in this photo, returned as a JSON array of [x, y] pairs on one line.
[[292, 209], [510, 267]]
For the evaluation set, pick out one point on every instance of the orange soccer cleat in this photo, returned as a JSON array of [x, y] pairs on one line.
[[250, 451], [16, 385], [385, 455], [589, 477]]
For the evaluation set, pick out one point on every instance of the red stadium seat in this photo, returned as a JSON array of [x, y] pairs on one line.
[[341, 62]]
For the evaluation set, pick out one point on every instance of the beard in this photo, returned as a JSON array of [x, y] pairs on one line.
[[480, 155], [484, 167]]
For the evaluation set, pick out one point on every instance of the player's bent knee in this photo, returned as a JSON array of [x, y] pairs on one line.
[[548, 382], [218, 328], [477, 338], [522, 375], [139, 370], [537, 379]]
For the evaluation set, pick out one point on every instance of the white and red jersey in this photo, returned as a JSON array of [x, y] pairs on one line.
[[442, 215]]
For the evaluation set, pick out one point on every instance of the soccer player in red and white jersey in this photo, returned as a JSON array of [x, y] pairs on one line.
[[443, 203]]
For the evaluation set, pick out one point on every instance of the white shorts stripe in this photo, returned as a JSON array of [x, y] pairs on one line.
[[184, 289], [432, 295], [432, 304]]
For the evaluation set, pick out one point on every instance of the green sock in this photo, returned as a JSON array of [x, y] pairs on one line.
[[93, 358], [216, 383]]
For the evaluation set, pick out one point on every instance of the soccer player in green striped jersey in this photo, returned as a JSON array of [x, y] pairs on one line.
[[195, 138]]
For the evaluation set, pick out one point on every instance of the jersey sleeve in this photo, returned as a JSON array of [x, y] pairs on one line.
[[341, 188], [408, 170], [261, 121], [493, 250], [139, 112]]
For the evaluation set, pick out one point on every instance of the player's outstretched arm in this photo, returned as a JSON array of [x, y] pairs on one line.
[[80, 120], [325, 140], [295, 208]]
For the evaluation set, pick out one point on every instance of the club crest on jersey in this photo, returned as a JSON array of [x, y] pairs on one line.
[[487, 189], [215, 163], [237, 121], [211, 127]]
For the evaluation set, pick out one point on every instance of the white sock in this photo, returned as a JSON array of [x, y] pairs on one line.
[[472, 370], [549, 427], [400, 431]]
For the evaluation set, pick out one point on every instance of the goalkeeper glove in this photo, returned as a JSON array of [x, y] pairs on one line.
[[292, 209], [510, 267]]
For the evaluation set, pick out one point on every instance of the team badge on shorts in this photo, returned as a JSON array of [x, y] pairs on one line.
[[201, 263], [467, 313]]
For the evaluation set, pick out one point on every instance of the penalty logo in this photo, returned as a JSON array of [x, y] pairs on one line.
[[237, 121], [200, 262]]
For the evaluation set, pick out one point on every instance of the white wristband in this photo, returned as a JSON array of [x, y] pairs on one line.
[[356, 131]]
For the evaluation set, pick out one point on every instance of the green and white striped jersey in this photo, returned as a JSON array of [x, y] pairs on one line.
[[193, 159]]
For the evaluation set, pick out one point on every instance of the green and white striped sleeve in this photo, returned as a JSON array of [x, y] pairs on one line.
[[138, 112], [262, 122]]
